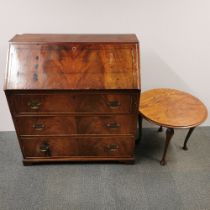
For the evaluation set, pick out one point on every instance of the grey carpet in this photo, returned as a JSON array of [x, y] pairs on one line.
[[184, 183]]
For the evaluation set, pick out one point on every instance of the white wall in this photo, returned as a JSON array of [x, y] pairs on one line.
[[174, 36]]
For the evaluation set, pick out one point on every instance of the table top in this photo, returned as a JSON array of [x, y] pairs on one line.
[[172, 108]]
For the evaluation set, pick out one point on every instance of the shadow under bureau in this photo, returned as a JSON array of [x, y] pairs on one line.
[[74, 97]]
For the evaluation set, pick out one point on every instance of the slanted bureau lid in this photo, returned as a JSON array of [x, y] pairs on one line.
[[73, 62]]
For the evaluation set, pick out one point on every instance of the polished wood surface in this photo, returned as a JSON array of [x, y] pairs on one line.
[[67, 103], [77, 146], [169, 135], [73, 66], [74, 97], [172, 108], [74, 38], [57, 125], [187, 138]]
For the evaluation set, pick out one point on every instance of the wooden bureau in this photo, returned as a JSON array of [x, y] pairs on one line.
[[74, 97]]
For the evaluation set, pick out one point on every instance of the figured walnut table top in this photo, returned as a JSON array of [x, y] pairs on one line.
[[172, 108]]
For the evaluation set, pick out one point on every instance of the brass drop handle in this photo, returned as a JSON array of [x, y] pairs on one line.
[[113, 125], [112, 147], [113, 104], [45, 148], [38, 127], [74, 49], [34, 104]]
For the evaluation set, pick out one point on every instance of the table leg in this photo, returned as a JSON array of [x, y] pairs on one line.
[[169, 134], [160, 129], [140, 118], [187, 138]]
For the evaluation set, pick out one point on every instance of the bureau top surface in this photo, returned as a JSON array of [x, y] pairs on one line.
[[73, 62], [79, 38]]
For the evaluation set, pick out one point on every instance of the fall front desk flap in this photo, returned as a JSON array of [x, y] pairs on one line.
[[73, 62]]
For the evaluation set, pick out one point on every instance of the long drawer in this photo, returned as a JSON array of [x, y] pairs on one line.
[[72, 103], [59, 125], [47, 147]]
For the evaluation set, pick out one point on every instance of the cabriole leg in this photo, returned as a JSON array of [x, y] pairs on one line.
[[160, 129], [169, 134], [187, 138]]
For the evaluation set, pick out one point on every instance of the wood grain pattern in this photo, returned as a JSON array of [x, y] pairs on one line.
[[172, 108], [63, 125], [77, 146], [74, 38], [71, 103], [73, 66]]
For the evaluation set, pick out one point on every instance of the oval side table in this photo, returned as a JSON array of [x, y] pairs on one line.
[[172, 109]]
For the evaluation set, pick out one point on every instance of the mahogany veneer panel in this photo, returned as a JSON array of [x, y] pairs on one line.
[[72, 103], [72, 66], [65, 146], [55, 125]]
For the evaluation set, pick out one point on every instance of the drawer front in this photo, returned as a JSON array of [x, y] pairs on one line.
[[72, 103], [52, 125], [47, 147]]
